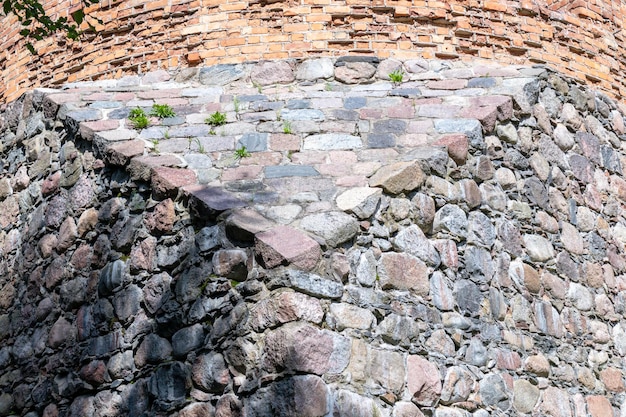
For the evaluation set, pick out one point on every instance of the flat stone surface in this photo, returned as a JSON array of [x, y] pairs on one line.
[[332, 141], [286, 245], [282, 171], [214, 198]]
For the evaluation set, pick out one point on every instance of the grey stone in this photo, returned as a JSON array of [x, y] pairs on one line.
[[214, 199], [507, 132], [334, 227], [398, 330], [332, 141], [452, 219], [412, 240], [111, 277], [366, 269], [538, 248], [302, 114], [169, 385], [381, 140], [210, 372], [525, 395], [470, 127], [457, 385], [254, 142], [222, 74], [563, 138], [396, 126], [362, 201], [350, 404], [309, 283], [127, 302], [344, 316], [479, 264], [354, 72], [468, 296], [283, 171], [493, 392], [153, 349], [352, 103], [187, 339], [300, 395], [480, 231]]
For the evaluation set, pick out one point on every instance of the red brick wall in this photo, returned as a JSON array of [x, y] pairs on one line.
[[582, 38]]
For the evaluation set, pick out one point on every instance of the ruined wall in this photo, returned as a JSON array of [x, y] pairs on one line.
[[580, 38], [487, 279]]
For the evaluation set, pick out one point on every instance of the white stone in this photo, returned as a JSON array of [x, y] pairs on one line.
[[362, 201]]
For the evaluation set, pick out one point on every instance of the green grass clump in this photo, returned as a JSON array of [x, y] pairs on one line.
[[216, 119], [396, 76], [162, 111], [287, 127], [242, 152], [138, 118]]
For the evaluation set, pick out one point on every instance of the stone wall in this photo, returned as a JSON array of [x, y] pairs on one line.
[[580, 38], [487, 279]]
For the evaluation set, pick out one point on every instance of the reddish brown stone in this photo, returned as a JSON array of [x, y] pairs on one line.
[[167, 181], [121, 153], [423, 381], [51, 184], [612, 379], [457, 145], [95, 372], [284, 142], [286, 245], [161, 220], [599, 406], [87, 129], [403, 272]]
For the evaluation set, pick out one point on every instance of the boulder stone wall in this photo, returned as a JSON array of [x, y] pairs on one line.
[[469, 261]]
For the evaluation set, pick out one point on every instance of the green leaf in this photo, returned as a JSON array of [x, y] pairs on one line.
[[25, 32], [31, 48], [78, 16]]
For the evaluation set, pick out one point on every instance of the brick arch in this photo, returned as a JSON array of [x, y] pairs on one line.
[[581, 38]]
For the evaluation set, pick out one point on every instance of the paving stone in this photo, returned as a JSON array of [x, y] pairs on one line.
[[213, 198], [285, 245], [167, 181], [352, 103], [254, 142], [283, 171], [332, 141]]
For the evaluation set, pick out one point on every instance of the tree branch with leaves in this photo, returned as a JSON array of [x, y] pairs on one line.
[[38, 25]]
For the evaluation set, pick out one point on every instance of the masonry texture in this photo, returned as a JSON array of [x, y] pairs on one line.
[[581, 38], [447, 246]]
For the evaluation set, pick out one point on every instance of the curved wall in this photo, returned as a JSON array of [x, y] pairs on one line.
[[581, 38]]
